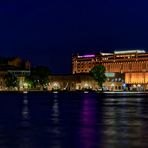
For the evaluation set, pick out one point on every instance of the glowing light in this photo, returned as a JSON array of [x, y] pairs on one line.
[[110, 74], [112, 84], [106, 53], [25, 85], [86, 85], [87, 56], [129, 51], [56, 86], [124, 85]]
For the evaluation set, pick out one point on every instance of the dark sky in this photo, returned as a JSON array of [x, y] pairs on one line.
[[49, 31]]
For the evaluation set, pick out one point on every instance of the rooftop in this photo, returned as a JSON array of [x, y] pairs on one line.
[[129, 51], [87, 56]]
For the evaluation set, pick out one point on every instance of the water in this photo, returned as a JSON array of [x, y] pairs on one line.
[[73, 120]]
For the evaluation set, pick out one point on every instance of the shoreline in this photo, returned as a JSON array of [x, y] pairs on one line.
[[76, 91]]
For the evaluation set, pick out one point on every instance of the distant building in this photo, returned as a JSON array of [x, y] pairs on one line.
[[15, 66], [133, 63]]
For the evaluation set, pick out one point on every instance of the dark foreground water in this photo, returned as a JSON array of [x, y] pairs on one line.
[[72, 120]]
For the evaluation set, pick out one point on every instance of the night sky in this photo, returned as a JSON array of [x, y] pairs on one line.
[[49, 31]]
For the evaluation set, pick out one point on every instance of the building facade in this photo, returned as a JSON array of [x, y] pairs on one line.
[[133, 63], [72, 82], [84, 82], [16, 67]]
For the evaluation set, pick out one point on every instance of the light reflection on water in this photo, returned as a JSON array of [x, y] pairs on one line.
[[25, 108], [71, 120], [123, 123], [88, 122], [23, 134], [55, 131]]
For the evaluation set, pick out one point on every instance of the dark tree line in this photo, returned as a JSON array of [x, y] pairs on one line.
[[39, 76]]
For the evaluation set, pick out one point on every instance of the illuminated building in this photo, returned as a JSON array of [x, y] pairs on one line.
[[72, 82], [133, 63], [15, 66]]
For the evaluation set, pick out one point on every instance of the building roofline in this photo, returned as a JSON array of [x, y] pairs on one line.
[[129, 51]]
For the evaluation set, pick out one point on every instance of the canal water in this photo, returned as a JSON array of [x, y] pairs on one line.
[[73, 120]]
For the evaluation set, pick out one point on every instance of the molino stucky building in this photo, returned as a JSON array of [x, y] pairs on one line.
[[132, 63]]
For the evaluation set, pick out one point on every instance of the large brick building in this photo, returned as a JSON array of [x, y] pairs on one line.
[[133, 63]]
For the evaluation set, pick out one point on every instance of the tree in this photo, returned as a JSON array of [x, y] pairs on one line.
[[98, 73], [10, 80], [29, 81], [39, 76]]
